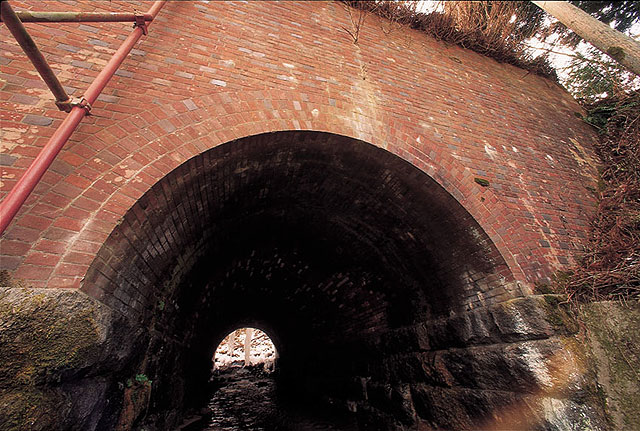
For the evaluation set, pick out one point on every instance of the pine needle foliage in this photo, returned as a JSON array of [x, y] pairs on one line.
[[594, 76], [620, 14]]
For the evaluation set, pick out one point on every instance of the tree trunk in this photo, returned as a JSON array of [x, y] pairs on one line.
[[616, 45], [247, 346], [232, 344]]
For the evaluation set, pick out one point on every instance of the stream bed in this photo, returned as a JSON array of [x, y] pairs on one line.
[[248, 400]]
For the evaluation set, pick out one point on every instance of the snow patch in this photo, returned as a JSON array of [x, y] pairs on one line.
[[231, 352]]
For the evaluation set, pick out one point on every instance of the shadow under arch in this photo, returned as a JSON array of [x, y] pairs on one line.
[[340, 247]]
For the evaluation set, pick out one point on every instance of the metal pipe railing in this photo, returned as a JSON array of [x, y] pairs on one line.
[[25, 185], [30, 48], [29, 16]]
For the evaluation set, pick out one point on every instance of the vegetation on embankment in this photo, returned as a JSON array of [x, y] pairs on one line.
[[610, 268], [496, 29]]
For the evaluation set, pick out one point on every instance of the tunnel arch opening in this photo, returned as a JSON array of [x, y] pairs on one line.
[[245, 346], [352, 260]]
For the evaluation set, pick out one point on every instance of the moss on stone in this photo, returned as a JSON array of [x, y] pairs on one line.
[[613, 334], [50, 340], [481, 181], [32, 407], [38, 339], [557, 313]]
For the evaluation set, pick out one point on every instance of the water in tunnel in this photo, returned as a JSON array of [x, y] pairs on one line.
[[353, 261]]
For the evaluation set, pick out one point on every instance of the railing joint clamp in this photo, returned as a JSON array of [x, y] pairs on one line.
[[82, 103], [64, 105], [141, 22]]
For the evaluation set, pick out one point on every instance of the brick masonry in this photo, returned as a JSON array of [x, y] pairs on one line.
[[346, 209], [209, 73], [249, 164]]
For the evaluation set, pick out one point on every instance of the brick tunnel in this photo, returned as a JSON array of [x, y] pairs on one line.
[[383, 211], [329, 243], [349, 257]]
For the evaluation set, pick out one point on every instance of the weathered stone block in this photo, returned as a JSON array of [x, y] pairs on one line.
[[464, 409], [61, 351], [613, 338], [537, 366], [519, 319], [419, 367], [395, 400]]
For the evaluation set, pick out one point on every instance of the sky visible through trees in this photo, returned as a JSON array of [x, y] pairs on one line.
[[582, 69]]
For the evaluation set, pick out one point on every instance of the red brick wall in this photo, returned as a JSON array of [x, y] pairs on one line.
[[208, 73]]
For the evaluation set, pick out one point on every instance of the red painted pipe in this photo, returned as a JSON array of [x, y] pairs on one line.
[[28, 16], [25, 185]]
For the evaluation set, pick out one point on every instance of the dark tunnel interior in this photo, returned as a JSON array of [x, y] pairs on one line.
[[336, 248]]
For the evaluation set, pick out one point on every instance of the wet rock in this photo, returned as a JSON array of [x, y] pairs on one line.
[[69, 358], [519, 319], [530, 366], [136, 403], [62, 352], [402, 405], [425, 367], [395, 400], [454, 408], [90, 402]]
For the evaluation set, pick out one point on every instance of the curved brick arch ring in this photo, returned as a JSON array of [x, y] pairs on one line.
[[185, 129], [315, 190]]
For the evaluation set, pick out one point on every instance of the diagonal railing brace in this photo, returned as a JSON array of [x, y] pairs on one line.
[[13, 23], [25, 185]]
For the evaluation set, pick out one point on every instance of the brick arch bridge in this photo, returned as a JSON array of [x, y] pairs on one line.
[[397, 199]]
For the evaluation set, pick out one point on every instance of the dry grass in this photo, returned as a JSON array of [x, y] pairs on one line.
[[487, 27], [611, 267]]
